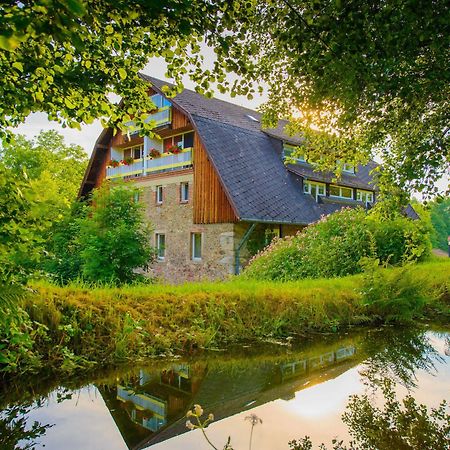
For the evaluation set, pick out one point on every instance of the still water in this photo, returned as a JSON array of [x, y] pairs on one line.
[[296, 390]]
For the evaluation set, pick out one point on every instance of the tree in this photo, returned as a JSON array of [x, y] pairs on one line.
[[358, 78], [54, 168], [370, 76], [66, 57], [114, 237], [440, 219]]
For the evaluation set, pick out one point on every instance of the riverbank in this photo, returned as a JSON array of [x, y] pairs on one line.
[[75, 327]]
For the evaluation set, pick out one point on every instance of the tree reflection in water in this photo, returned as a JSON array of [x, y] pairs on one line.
[[398, 425], [148, 405], [15, 434], [397, 356]]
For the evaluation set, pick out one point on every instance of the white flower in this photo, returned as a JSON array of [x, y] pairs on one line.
[[198, 410], [189, 425]]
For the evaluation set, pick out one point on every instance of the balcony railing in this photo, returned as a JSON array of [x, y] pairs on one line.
[[169, 161], [162, 117], [140, 167]]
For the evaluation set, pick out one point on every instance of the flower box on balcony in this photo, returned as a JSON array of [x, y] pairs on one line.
[[154, 153]]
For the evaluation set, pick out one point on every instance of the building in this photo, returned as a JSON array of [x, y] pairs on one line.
[[215, 186]]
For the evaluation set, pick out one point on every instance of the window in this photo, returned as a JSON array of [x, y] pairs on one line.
[[349, 168], [288, 151], [184, 192], [159, 195], [315, 189], [182, 140], [196, 246], [133, 152], [160, 101], [364, 196], [160, 246], [188, 140], [341, 192]]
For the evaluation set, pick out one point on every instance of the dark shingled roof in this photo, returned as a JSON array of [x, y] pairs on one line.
[[254, 176], [257, 182], [362, 178]]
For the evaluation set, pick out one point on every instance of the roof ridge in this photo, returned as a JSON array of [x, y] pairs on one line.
[[150, 78]]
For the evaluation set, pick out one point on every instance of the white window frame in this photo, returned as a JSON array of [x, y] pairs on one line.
[[348, 168], [159, 195], [132, 147], [184, 192], [291, 148], [194, 257], [159, 247], [307, 188], [340, 192], [360, 193]]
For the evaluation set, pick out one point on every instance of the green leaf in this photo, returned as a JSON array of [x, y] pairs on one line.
[[18, 65], [76, 6], [122, 73], [69, 103]]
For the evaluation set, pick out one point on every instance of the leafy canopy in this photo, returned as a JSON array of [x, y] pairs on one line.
[[359, 78], [65, 58], [370, 76]]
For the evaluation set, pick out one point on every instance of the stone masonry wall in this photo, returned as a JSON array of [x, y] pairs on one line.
[[175, 220]]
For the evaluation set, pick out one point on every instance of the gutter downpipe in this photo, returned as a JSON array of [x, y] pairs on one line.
[[242, 242]]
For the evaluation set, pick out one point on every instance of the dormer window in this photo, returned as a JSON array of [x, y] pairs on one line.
[[364, 196], [341, 192], [288, 153], [348, 168], [314, 189]]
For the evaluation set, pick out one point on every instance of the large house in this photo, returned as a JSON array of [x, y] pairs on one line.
[[216, 186]]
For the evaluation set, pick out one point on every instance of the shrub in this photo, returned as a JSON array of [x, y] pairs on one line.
[[335, 245], [104, 242], [114, 237], [400, 239]]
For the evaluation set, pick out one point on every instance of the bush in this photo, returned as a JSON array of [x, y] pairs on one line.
[[104, 242], [393, 296], [335, 245]]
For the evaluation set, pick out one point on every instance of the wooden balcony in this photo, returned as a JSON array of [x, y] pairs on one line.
[[146, 166]]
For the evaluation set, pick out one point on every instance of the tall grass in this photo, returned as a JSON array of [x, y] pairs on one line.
[[88, 325]]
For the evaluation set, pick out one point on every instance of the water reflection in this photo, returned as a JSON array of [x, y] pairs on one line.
[[398, 356], [148, 405], [157, 401]]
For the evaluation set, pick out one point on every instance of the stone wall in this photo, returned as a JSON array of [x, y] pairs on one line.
[[175, 220]]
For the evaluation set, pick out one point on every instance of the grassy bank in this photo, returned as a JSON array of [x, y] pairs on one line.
[[75, 327]]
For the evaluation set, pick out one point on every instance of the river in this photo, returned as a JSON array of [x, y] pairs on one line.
[[261, 395]]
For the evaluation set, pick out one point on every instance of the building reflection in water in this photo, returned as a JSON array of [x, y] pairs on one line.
[[151, 407]]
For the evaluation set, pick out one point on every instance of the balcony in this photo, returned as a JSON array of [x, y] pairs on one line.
[[141, 167], [162, 117]]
